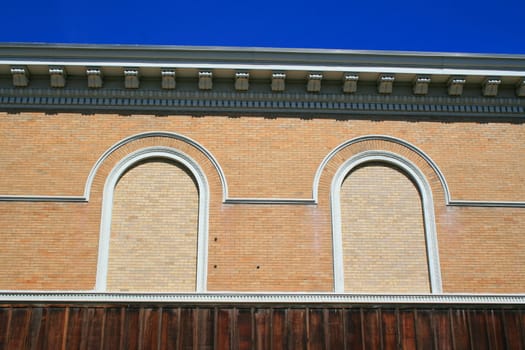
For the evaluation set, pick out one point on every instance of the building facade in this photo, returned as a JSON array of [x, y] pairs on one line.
[[237, 173]]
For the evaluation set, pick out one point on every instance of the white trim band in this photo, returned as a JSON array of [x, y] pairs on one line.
[[258, 298]]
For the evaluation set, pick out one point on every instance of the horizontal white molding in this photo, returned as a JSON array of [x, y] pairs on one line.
[[269, 201], [36, 198], [490, 204], [271, 67], [283, 201], [258, 298]]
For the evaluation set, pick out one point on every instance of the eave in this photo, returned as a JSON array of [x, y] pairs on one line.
[[164, 79]]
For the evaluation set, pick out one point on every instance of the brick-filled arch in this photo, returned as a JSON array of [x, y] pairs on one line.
[[382, 231], [137, 167], [413, 173]]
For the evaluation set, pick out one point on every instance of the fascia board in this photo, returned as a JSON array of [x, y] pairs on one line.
[[259, 58]]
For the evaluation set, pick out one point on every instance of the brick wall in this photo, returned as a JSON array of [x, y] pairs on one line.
[[55, 245]]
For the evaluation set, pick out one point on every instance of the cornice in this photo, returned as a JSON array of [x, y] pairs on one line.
[[159, 78]]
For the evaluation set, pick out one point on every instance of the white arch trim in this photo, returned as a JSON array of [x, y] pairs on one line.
[[107, 206], [172, 135], [329, 156], [428, 213]]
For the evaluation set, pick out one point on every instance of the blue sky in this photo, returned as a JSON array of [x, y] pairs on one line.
[[481, 26]]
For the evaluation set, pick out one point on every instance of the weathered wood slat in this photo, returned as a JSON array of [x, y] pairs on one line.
[[54, 331], [424, 333], [297, 328], [353, 329], [372, 329], [513, 331], [310, 327], [151, 328], [460, 329], [478, 330], [170, 337], [407, 329], [245, 329], [442, 329], [224, 328], [37, 328], [316, 330], [95, 325], [495, 329], [131, 327], [19, 328], [389, 329], [336, 333], [262, 329], [5, 316], [205, 328], [279, 329], [113, 329]]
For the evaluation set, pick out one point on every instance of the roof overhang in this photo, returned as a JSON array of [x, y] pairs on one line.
[[254, 75]]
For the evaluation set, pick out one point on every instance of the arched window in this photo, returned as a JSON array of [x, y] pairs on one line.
[[154, 224], [383, 226]]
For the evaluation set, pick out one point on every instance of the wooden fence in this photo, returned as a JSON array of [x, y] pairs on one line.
[[168, 326]]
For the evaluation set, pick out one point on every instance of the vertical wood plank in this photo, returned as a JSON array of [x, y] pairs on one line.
[[4, 326], [279, 329], [371, 329], [150, 321], [224, 330], [389, 329], [37, 328], [55, 322], [407, 329], [75, 327], [19, 328], [442, 329], [95, 324], [522, 316], [513, 329], [460, 331], [297, 328], [205, 329], [112, 328], [262, 329], [316, 326], [335, 329], [424, 334], [353, 329], [496, 333], [131, 328], [187, 319], [244, 329], [478, 329], [169, 338]]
